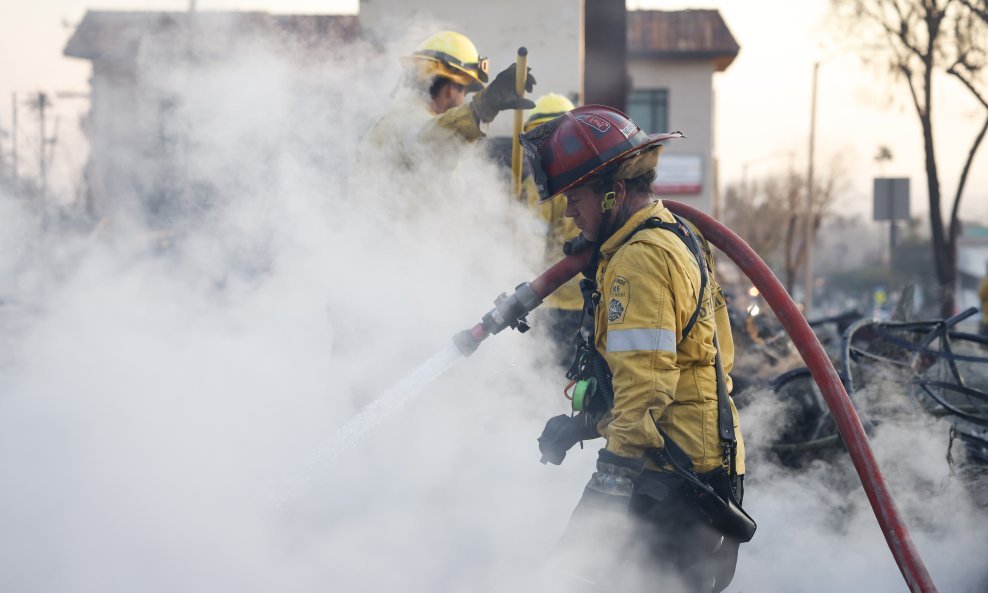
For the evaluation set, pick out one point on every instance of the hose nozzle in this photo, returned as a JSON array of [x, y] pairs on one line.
[[466, 342], [510, 311]]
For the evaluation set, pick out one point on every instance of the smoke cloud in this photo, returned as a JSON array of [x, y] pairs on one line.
[[167, 394]]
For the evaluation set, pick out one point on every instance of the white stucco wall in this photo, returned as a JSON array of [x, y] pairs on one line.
[[116, 136], [690, 94]]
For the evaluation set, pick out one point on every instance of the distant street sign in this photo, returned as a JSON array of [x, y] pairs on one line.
[[891, 198]]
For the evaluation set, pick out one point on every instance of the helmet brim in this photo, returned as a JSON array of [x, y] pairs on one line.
[[473, 75]]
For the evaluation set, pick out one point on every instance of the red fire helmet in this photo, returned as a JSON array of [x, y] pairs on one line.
[[581, 143]]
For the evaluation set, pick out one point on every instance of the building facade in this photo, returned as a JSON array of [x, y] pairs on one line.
[[672, 57]]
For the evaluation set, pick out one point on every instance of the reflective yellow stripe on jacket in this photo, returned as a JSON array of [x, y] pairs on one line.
[[649, 285]]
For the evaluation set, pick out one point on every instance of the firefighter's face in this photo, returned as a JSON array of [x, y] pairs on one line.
[[583, 206], [451, 95]]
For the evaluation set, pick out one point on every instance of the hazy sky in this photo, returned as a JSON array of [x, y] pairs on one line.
[[762, 100]]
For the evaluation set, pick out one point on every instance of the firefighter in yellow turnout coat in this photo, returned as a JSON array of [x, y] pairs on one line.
[[661, 381], [432, 110], [659, 316]]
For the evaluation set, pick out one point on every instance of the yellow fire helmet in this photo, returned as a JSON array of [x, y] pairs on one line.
[[451, 55], [547, 107]]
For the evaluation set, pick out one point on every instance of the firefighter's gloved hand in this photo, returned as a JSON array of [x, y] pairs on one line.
[[611, 485], [562, 432], [500, 95]]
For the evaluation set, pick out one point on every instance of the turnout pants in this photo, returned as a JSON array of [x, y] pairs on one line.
[[662, 544]]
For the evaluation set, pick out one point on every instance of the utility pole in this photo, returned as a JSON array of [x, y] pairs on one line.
[[13, 140], [42, 149], [808, 229], [3, 161], [604, 53]]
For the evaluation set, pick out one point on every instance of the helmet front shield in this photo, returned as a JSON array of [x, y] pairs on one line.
[[533, 143]]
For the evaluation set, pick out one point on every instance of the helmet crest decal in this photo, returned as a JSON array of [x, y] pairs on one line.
[[599, 124]]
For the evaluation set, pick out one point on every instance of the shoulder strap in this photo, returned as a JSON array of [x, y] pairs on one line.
[[725, 420], [686, 235]]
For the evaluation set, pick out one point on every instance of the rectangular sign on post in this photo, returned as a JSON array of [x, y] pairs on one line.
[[891, 198], [679, 174]]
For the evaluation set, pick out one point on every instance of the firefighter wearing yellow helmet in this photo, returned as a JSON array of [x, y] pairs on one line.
[[432, 106], [564, 307]]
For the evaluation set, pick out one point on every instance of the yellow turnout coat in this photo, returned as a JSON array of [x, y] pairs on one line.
[[649, 284]]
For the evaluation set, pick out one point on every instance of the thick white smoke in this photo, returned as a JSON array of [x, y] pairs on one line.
[[162, 395]]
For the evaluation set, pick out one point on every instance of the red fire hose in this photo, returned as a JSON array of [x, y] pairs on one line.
[[851, 430]]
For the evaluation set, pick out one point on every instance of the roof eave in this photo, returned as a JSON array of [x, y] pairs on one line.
[[721, 59]]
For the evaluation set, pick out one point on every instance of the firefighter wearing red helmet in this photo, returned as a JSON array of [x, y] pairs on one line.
[[432, 107], [653, 379]]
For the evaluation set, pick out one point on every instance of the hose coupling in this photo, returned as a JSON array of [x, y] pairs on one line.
[[510, 311]]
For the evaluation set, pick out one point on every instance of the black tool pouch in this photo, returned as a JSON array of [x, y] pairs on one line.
[[713, 493], [715, 500]]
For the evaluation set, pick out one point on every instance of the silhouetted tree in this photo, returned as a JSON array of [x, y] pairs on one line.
[[921, 37], [769, 215]]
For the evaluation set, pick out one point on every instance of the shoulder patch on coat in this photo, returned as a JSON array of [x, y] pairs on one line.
[[620, 298]]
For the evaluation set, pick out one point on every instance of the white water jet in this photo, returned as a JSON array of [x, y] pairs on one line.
[[377, 412]]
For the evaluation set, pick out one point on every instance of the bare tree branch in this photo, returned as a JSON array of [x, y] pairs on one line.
[[979, 11], [970, 85], [907, 73], [963, 180], [900, 33], [923, 37]]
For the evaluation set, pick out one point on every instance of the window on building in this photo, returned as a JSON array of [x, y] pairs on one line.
[[649, 108]]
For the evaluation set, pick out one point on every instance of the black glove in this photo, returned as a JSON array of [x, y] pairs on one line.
[[562, 432], [500, 95]]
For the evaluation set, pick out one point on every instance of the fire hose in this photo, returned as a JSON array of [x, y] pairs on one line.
[[510, 311]]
